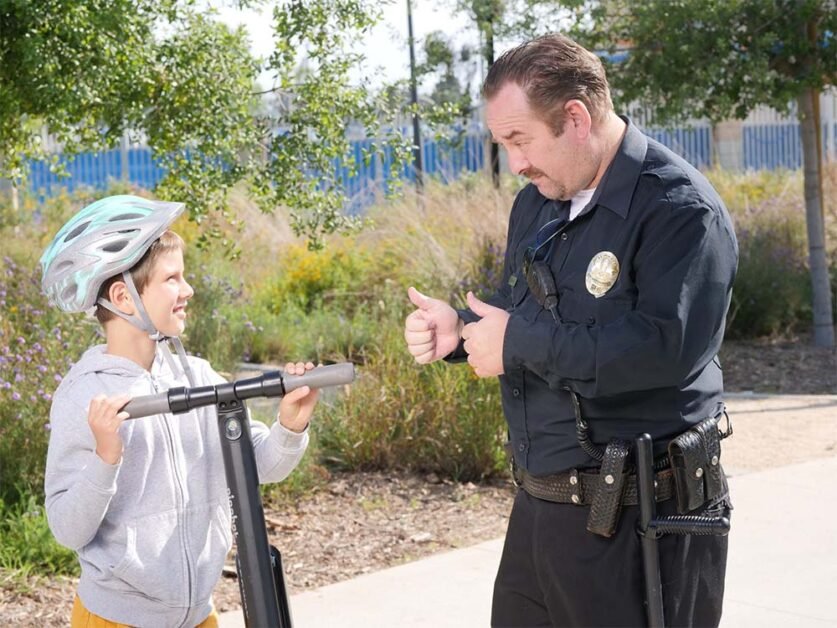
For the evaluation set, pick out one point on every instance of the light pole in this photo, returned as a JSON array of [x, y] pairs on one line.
[[414, 101]]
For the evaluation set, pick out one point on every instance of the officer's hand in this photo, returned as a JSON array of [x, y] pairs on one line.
[[105, 416], [297, 406], [484, 339], [432, 331]]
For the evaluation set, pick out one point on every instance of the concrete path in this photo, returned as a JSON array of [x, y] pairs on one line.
[[782, 566]]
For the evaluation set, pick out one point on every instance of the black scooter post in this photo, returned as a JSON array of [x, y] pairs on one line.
[[264, 599]]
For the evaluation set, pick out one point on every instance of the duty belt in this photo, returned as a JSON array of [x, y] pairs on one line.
[[581, 487]]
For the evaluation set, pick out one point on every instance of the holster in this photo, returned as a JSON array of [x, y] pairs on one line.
[[696, 462], [607, 502]]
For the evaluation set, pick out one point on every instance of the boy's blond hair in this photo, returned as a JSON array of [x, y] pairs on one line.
[[141, 272]]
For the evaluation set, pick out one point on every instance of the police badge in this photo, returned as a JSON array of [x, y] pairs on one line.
[[602, 273]]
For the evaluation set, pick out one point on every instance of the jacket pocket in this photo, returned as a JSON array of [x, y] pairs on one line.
[[154, 564], [210, 541]]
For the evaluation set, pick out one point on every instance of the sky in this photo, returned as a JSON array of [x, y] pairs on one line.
[[386, 48]]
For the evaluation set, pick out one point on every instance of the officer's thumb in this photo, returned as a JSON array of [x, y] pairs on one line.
[[478, 307], [421, 301]]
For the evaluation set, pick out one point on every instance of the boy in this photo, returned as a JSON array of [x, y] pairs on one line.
[[142, 502]]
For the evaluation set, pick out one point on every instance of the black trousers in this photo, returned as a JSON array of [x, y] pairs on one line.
[[554, 572]]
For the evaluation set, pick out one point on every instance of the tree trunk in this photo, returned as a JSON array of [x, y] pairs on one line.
[[494, 147], [817, 258]]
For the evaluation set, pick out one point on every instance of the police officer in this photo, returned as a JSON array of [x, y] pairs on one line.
[[641, 254]]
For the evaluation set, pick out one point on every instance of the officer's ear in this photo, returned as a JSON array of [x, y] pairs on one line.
[[579, 122]]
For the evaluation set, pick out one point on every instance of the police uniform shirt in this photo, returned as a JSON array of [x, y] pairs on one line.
[[644, 278]]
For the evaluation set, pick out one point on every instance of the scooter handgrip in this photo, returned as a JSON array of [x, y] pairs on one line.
[[147, 405], [321, 377]]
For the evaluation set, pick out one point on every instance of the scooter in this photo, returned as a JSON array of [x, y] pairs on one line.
[[261, 580]]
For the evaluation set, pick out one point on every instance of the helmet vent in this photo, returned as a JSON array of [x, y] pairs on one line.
[[128, 216], [63, 265], [68, 294], [77, 231], [115, 247]]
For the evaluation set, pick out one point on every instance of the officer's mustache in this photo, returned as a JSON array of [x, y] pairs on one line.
[[531, 173]]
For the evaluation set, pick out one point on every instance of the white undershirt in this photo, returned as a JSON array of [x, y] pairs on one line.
[[579, 202]]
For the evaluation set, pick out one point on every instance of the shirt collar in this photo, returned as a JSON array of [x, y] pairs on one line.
[[616, 189]]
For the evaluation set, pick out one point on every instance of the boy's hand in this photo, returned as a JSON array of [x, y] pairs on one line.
[[104, 417], [297, 406]]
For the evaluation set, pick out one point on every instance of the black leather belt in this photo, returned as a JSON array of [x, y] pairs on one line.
[[580, 487]]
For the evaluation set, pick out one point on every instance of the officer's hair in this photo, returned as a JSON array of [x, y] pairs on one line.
[[141, 271], [551, 70]]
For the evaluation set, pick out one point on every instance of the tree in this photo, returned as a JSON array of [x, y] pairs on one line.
[[510, 19], [321, 102], [721, 59], [90, 70], [442, 60]]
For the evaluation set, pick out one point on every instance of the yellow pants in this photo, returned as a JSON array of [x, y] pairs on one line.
[[82, 618]]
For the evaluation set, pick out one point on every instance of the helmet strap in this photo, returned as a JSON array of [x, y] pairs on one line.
[[143, 322]]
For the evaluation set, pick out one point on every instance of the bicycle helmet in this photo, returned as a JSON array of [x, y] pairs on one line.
[[101, 241], [105, 239]]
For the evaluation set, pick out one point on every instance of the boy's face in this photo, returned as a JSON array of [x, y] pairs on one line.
[[166, 293]]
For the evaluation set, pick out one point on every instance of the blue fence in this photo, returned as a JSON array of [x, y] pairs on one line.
[[694, 145], [96, 170], [443, 161], [765, 146], [772, 146]]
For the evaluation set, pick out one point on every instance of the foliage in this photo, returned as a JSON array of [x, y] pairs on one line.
[[27, 545], [38, 344], [316, 102], [438, 418], [772, 289], [218, 327], [485, 273], [89, 71], [763, 53]]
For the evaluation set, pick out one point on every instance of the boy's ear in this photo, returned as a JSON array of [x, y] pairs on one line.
[[120, 296]]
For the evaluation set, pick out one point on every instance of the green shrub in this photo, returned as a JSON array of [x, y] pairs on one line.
[[27, 545], [308, 476], [439, 418], [218, 328], [772, 291], [38, 344]]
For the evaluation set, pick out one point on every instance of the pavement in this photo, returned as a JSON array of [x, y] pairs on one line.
[[781, 570]]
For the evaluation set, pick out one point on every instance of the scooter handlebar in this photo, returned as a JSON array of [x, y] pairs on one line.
[[320, 377], [147, 406]]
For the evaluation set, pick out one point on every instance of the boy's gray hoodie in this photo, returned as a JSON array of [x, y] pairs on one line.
[[153, 530]]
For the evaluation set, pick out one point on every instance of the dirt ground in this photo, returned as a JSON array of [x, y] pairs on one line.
[[368, 521]]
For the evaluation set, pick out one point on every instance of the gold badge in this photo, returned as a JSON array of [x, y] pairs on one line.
[[602, 273]]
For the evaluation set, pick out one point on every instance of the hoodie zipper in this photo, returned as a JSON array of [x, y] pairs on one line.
[[179, 488]]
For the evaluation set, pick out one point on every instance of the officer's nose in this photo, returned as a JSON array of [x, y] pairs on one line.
[[518, 163]]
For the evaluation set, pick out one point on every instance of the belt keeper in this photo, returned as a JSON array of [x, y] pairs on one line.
[[575, 484]]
